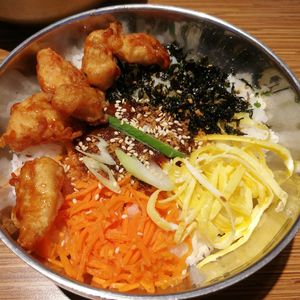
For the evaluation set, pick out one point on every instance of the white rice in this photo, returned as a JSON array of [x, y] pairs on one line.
[[258, 105], [201, 249]]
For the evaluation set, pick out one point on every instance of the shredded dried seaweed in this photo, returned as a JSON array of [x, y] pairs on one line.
[[191, 89]]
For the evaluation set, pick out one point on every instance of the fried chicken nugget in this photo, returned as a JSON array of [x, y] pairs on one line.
[[38, 199], [34, 121], [141, 48], [81, 102], [53, 70], [98, 63]]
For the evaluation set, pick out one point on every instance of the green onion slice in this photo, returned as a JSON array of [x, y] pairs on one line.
[[144, 138]]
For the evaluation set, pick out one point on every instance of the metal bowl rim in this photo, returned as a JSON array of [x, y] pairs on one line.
[[89, 291]]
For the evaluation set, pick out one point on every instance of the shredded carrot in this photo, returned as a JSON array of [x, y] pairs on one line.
[[101, 243]]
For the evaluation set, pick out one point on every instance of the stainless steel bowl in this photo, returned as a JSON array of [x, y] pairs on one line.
[[226, 46]]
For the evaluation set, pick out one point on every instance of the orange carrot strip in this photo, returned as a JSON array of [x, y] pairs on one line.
[[148, 235], [125, 287], [118, 250], [65, 262], [82, 193], [144, 251], [127, 257], [135, 257]]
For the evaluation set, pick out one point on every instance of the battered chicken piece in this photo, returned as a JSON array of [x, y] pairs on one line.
[[53, 71], [34, 121], [81, 102], [141, 48], [99, 64], [38, 199]]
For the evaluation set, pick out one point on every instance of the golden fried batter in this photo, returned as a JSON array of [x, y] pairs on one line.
[[38, 199], [81, 102], [34, 121], [53, 71], [99, 64], [141, 48]]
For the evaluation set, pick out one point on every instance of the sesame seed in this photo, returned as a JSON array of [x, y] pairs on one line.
[[151, 152], [88, 139], [124, 216], [97, 197], [139, 233], [117, 250], [74, 200]]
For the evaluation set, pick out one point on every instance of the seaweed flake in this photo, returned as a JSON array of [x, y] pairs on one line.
[[190, 89]]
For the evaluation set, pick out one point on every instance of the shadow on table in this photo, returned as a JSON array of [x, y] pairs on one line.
[[257, 286]]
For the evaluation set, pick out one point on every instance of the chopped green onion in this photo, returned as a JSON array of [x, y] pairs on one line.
[[144, 138], [152, 175], [94, 166]]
